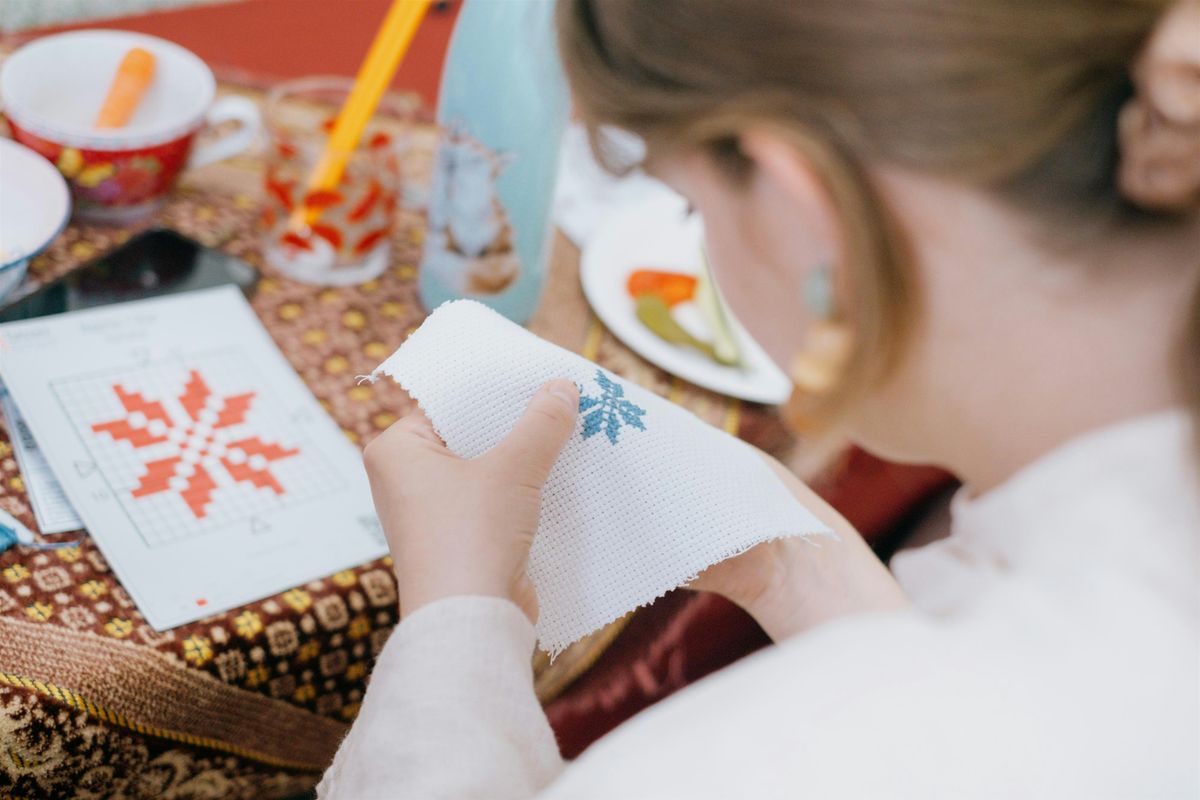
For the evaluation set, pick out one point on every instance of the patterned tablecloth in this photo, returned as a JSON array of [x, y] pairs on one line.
[[251, 702]]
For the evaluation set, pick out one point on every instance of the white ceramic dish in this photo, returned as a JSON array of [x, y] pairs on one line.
[[656, 233], [34, 208]]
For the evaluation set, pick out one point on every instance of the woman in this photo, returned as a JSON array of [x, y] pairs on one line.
[[989, 207]]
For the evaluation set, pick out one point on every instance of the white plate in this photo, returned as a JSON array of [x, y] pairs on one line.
[[34, 207], [656, 233]]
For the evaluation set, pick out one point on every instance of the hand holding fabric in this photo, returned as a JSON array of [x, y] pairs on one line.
[[790, 586], [460, 526]]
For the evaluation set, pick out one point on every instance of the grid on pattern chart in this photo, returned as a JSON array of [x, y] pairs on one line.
[[165, 517]]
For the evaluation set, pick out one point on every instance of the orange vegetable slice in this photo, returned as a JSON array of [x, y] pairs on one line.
[[672, 287]]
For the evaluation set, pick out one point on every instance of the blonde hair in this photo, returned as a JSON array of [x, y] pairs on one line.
[[1019, 96]]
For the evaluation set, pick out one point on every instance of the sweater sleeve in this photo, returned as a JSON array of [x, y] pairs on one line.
[[450, 712]]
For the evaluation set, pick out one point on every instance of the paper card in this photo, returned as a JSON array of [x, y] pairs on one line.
[[51, 508], [198, 460]]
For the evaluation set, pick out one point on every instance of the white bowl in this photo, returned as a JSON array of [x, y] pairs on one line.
[[34, 208]]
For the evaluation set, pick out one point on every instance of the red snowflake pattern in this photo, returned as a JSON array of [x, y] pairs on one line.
[[202, 441]]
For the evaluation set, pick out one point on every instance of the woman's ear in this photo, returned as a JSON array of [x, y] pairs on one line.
[[1160, 127], [784, 171], [1168, 71]]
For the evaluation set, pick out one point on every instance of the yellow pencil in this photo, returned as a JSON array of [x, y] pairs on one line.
[[390, 44]]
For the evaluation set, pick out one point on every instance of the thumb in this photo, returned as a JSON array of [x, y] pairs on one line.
[[531, 449]]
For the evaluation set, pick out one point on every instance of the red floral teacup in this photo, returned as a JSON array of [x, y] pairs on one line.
[[52, 89]]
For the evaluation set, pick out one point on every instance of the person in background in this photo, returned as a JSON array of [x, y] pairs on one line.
[[969, 229]]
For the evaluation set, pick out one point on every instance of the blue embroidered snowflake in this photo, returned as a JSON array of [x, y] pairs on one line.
[[610, 411]]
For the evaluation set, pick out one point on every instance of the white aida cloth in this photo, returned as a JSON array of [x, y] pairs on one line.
[[644, 495]]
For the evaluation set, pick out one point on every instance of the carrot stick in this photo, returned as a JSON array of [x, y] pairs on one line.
[[133, 78]]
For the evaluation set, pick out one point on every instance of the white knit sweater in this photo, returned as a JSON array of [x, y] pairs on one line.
[[1053, 651]]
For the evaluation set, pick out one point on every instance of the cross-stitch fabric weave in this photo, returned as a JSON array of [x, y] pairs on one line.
[[644, 495]]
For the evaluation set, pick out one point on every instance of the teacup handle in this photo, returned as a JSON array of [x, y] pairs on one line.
[[239, 109]]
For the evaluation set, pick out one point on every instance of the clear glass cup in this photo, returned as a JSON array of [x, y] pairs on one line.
[[350, 241]]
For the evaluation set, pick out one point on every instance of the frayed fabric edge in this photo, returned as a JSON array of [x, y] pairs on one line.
[[556, 648]]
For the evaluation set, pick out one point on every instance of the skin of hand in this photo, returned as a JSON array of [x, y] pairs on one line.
[[464, 526], [792, 585]]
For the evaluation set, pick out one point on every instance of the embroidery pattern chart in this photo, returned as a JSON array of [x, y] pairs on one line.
[[189, 446], [202, 443]]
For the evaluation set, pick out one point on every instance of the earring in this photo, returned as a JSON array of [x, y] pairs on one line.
[[818, 367]]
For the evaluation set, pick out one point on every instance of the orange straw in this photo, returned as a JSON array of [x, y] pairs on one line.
[[133, 78], [392, 41]]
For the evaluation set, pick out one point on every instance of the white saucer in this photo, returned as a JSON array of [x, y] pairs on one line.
[[656, 233]]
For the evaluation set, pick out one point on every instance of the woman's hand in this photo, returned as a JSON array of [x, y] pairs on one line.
[[464, 527], [791, 585]]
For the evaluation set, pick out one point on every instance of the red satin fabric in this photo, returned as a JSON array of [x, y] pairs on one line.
[[687, 635]]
